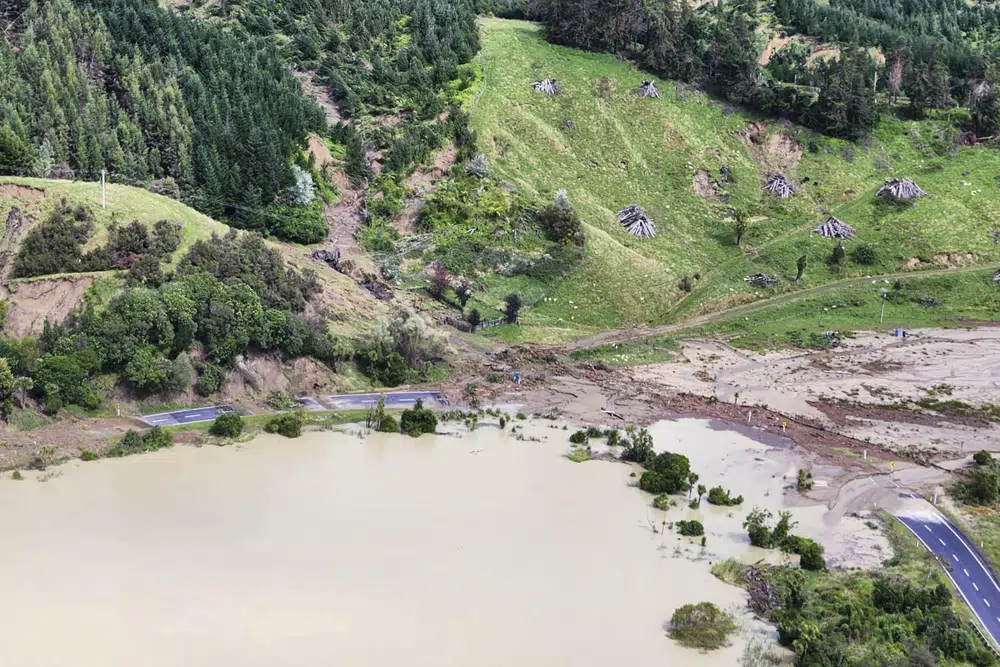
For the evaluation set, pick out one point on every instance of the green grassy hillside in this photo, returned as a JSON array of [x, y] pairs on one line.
[[609, 148], [124, 204]]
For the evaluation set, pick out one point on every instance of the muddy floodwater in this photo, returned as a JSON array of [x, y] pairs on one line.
[[336, 549]]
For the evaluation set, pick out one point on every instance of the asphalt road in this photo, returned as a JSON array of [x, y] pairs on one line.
[[191, 416], [971, 576], [396, 399]]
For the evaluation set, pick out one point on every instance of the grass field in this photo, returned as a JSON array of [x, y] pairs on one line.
[[609, 148]]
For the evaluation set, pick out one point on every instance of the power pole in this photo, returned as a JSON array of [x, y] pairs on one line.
[[104, 203]]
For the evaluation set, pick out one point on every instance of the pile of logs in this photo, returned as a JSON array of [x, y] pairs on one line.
[[547, 86], [779, 186], [634, 220], [835, 229], [901, 189], [647, 89], [762, 280], [764, 596], [996, 276]]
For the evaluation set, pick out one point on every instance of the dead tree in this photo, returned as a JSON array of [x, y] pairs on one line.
[[762, 280], [900, 189], [647, 89], [635, 221], [779, 186], [547, 86], [835, 229]]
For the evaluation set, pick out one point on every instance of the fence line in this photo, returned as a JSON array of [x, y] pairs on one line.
[[495, 322]]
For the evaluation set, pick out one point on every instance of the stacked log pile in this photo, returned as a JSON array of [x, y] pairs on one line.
[[835, 229], [547, 86], [647, 89], [764, 596], [635, 221], [779, 186], [902, 189], [762, 280]]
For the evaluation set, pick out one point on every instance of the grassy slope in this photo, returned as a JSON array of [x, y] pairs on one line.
[[124, 204], [624, 150]]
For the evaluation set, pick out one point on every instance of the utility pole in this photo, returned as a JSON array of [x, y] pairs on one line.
[[884, 293], [104, 203]]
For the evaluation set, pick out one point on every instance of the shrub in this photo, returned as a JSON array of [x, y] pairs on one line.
[[474, 318], [494, 378], [210, 379], [388, 424], [560, 221], [690, 528], [288, 425], [280, 400], [701, 625], [838, 254], [579, 438], [227, 425], [156, 438], [865, 254], [132, 440], [694, 504], [663, 502], [805, 478], [418, 420], [638, 445], [720, 496], [521, 415], [87, 455], [810, 552], [982, 457]]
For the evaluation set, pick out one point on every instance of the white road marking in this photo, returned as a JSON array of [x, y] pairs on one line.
[[947, 525], [941, 541], [986, 601], [974, 586], [966, 572], [927, 527], [955, 557]]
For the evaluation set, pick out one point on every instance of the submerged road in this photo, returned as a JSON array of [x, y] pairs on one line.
[[396, 399], [957, 555]]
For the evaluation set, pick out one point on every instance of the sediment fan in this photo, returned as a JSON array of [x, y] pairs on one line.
[[835, 229], [547, 86], [762, 280], [900, 188], [647, 89], [634, 220], [779, 186]]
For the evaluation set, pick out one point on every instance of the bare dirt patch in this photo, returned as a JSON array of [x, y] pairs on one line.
[[35, 301], [703, 185], [955, 259], [319, 92], [322, 159], [22, 193]]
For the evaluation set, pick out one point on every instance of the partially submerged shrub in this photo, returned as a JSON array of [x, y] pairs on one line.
[[720, 496], [690, 528], [418, 420], [701, 625], [288, 425], [579, 438]]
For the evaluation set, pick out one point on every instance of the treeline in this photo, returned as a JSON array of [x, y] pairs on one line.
[[718, 48], [127, 86]]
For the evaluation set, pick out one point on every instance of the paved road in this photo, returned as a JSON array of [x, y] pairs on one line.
[[971, 576], [397, 399], [191, 416]]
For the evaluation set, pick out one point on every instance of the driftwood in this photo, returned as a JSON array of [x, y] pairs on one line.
[[764, 596], [835, 229], [779, 186], [547, 86], [762, 280], [647, 89], [634, 220], [901, 189]]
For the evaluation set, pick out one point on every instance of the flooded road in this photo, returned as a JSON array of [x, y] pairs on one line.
[[383, 550]]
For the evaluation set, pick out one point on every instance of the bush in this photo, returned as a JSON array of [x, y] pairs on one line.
[[418, 420], [865, 254], [663, 502], [690, 528], [810, 552], [579, 438], [638, 445], [156, 438], [701, 625], [227, 425], [210, 379], [804, 482], [720, 496], [132, 440], [838, 254], [288, 425], [982, 457], [521, 415], [388, 425], [474, 318], [87, 455], [280, 400]]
